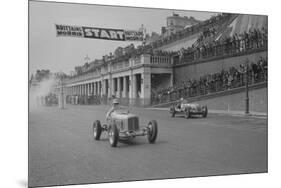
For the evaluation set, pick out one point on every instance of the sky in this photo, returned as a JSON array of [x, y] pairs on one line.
[[47, 51]]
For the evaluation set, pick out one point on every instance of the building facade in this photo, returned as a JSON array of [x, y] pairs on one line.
[[130, 80], [176, 23]]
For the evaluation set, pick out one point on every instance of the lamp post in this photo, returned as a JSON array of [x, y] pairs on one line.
[[247, 88]]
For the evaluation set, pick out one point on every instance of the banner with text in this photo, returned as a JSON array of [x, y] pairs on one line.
[[98, 33]]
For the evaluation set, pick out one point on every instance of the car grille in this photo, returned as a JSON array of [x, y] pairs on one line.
[[133, 123]]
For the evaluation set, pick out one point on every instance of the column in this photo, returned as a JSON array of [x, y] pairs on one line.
[[132, 90], [103, 87], [100, 88], [113, 87], [83, 89], [146, 87], [135, 88], [94, 88], [125, 87], [107, 87], [118, 88], [90, 88], [97, 88], [109, 94], [121, 83]]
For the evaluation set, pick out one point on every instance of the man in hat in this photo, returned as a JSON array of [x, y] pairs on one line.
[[115, 106]]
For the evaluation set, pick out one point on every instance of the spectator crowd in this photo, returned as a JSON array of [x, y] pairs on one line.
[[225, 45], [224, 80]]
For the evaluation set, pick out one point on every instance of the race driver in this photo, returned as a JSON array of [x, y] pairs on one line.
[[115, 106]]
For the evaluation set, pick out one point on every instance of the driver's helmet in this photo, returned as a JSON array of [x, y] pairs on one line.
[[181, 99], [115, 101]]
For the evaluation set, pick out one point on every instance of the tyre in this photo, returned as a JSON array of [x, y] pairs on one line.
[[97, 129], [187, 113], [172, 111], [113, 135], [205, 111], [152, 131]]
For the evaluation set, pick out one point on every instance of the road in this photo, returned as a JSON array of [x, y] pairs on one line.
[[62, 149]]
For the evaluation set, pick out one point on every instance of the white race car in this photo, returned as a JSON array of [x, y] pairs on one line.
[[123, 125]]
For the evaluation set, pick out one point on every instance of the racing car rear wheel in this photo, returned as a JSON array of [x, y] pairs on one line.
[[187, 113], [172, 111], [113, 135], [152, 131], [97, 129], [205, 111]]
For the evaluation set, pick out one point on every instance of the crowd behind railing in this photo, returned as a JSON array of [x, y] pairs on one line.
[[210, 83], [254, 39]]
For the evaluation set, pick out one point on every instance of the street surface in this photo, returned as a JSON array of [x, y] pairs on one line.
[[62, 149]]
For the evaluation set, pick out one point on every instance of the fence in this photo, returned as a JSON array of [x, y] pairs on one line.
[[212, 86], [221, 49]]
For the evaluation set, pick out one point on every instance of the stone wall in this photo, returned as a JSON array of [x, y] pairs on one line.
[[233, 100]]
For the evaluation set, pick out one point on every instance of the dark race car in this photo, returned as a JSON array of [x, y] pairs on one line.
[[123, 125], [188, 109]]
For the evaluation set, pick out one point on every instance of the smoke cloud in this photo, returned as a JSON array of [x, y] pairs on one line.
[[39, 90]]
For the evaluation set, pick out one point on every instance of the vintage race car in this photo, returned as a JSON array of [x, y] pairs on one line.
[[188, 109], [123, 125]]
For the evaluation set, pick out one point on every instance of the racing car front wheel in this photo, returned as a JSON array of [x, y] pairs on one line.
[[152, 131], [205, 111], [97, 129], [113, 134], [187, 113]]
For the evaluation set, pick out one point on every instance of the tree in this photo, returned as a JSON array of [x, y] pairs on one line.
[[42, 74], [118, 52], [78, 70]]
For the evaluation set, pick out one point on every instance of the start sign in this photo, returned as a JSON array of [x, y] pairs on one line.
[[102, 33], [98, 33]]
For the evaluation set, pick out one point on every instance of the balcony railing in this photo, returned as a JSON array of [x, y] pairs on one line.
[[120, 65], [143, 59], [136, 61], [160, 59], [84, 77]]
